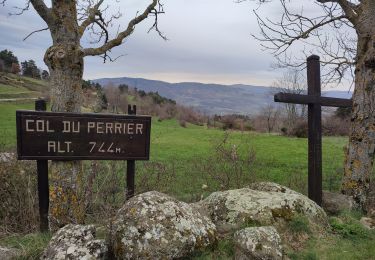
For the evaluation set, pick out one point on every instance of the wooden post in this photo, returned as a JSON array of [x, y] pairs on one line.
[[314, 131], [130, 169], [43, 186]]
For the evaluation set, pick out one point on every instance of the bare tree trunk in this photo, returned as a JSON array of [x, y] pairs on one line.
[[65, 62], [360, 155]]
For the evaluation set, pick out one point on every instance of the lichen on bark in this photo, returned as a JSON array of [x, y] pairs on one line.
[[360, 152], [66, 194], [65, 62]]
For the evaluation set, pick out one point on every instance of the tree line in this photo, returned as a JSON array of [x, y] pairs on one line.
[[9, 63]]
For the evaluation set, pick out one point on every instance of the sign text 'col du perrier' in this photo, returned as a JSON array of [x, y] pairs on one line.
[[71, 136]]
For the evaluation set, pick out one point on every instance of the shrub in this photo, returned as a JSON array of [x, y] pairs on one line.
[[299, 224], [18, 196], [349, 228], [155, 176], [336, 126], [190, 115], [231, 122], [300, 129], [105, 189], [182, 123], [343, 112], [30, 246], [227, 167]]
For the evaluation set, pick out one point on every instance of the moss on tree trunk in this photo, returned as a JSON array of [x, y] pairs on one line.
[[360, 154]]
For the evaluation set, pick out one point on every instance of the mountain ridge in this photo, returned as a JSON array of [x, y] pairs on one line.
[[211, 98]]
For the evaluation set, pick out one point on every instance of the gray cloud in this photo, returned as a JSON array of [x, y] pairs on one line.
[[209, 41]]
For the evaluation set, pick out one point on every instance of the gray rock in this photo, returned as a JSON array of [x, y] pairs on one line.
[[271, 186], [75, 242], [153, 225], [368, 223], [261, 208], [334, 203], [7, 157], [8, 253], [257, 243]]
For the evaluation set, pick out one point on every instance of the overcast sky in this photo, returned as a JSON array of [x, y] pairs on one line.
[[209, 41]]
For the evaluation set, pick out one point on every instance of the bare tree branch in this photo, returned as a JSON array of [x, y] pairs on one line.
[[92, 13], [337, 50], [155, 26], [38, 5], [44, 29], [151, 9], [351, 10]]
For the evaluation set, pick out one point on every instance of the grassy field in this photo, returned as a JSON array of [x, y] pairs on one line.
[[8, 122], [180, 158], [7, 92], [278, 158]]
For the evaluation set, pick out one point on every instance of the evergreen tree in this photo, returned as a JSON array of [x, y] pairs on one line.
[[343, 112], [123, 88], [9, 58], [2, 65], [30, 69]]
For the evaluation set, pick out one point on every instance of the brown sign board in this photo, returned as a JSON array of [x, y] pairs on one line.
[[78, 136]]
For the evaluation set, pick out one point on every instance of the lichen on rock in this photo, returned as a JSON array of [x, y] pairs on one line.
[[271, 186], [276, 204], [258, 243], [75, 242], [7, 157], [153, 225]]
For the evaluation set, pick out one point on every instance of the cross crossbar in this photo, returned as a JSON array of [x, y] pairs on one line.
[[309, 99]]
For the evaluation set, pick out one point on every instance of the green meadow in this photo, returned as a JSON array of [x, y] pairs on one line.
[[185, 150], [190, 162]]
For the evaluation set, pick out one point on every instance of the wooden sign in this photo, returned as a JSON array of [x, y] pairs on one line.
[[76, 136]]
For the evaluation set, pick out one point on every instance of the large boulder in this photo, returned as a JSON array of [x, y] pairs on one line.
[[258, 243], [75, 242], [262, 207], [153, 225], [334, 203]]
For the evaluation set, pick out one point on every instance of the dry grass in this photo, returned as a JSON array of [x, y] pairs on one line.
[[18, 197]]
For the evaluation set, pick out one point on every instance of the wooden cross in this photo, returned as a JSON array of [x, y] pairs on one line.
[[315, 101]]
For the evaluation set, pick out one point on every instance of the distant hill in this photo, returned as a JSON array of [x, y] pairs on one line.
[[17, 87], [211, 98]]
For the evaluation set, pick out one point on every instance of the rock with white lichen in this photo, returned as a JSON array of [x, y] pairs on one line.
[[268, 205], [153, 225], [7, 157], [258, 243], [271, 186], [75, 242]]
